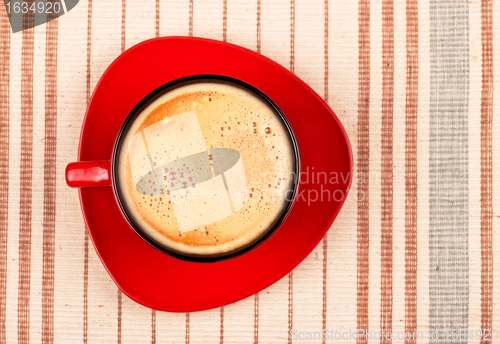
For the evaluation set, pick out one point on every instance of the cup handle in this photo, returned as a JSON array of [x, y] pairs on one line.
[[88, 174]]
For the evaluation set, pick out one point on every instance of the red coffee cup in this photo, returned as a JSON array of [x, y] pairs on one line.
[[225, 162], [159, 280]]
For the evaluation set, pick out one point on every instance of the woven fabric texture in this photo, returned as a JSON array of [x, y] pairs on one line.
[[414, 251]]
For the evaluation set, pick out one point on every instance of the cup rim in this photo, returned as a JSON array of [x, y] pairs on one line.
[[202, 258]]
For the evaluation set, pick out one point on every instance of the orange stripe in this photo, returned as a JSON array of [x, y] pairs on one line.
[[86, 240], [49, 180], [191, 5], [387, 168], [363, 226], [4, 161], [25, 178], [187, 328], [258, 27], [256, 319], [411, 178], [224, 20], [221, 334], [486, 167], [325, 238], [157, 21]]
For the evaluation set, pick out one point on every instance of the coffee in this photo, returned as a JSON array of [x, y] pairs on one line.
[[206, 168]]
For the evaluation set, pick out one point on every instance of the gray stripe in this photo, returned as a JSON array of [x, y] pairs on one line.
[[448, 169]]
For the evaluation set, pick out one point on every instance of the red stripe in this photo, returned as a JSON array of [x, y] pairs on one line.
[[292, 69], [86, 288], [187, 340], [290, 306], [486, 167], [119, 318], [49, 188], [119, 310], [387, 169], [191, 5], [363, 226], [157, 34], [124, 16], [258, 27], [325, 239], [256, 319], [221, 333], [256, 297], [324, 308], [224, 20], [86, 242], [325, 82], [153, 326], [4, 161], [25, 178], [292, 36], [157, 18], [411, 180]]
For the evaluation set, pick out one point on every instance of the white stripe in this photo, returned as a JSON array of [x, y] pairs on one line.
[[37, 180], [140, 21], [14, 170], [205, 326], [239, 321], [102, 294], [174, 18], [170, 328], [400, 80], [310, 67], [343, 98], [273, 313], [275, 30], [207, 19], [423, 167], [69, 227], [136, 322], [242, 23], [275, 44], [374, 177], [310, 43], [475, 166]]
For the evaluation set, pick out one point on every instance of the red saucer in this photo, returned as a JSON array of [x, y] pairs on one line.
[[157, 280]]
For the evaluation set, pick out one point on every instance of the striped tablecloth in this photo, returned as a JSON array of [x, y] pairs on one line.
[[415, 248]]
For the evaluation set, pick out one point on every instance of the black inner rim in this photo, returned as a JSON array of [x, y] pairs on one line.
[[153, 96]]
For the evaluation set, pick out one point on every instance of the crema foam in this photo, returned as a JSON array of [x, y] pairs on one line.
[[207, 168]]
